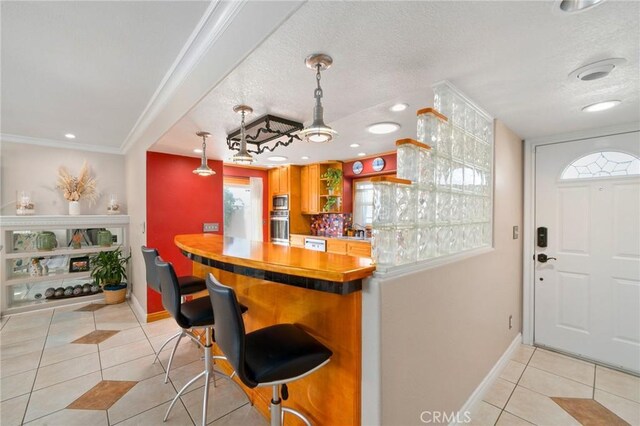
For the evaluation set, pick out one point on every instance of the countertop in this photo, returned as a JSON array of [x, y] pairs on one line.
[[288, 261], [321, 237]]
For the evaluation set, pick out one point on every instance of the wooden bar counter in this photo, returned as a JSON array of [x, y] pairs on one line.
[[316, 290]]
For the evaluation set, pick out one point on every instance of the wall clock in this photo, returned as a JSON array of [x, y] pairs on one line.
[[357, 167], [378, 164]]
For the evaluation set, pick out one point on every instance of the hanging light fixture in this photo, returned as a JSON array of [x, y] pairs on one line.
[[243, 157], [204, 169], [317, 131]]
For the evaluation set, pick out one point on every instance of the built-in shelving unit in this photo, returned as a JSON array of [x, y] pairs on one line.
[[27, 271]]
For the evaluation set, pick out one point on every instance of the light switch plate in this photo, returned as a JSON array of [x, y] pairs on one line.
[[211, 227], [516, 232]]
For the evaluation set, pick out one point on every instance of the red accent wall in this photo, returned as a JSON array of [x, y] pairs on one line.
[[179, 202], [232, 171], [390, 167]]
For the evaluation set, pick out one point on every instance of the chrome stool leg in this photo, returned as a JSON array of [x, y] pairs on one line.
[[173, 352], [277, 410], [165, 344]]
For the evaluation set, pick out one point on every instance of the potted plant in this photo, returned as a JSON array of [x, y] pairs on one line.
[[330, 204], [333, 177], [76, 188], [108, 269]]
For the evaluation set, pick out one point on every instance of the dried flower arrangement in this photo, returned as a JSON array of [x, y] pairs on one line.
[[74, 188]]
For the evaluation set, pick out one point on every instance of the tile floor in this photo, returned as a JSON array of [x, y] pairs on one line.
[[49, 360], [539, 387]]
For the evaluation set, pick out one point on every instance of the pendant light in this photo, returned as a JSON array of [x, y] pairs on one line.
[[318, 132], [243, 157], [204, 169]]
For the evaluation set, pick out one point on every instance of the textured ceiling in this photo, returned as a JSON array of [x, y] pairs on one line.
[[513, 58], [85, 67]]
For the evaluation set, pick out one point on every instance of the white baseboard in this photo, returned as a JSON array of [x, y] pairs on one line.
[[489, 379], [137, 309]]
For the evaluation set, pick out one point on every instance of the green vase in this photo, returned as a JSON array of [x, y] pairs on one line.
[[104, 238], [46, 241]]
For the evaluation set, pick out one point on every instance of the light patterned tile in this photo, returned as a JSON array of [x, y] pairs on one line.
[[538, 409], [103, 395], [66, 352], [561, 365], [124, 337], [66, 370], [91, 307], [66, 326], [185, 354], [9, 336], [157, 341], [180, 376], [482, 414], [19, 364], [523, 353], [499, 392], [245, 416], [222, 400], [179, 417], [16, 385], [624, 408], [56, 397], [117, 325], [28, 321], [138, 370], [22, 348], [3, 321], [124, 353], [145, 395], [67, 336], [161, 327], [12, 410], [73, 418], [512, 371], [617, 383], [71, 317], [551, 385], [508, 419]]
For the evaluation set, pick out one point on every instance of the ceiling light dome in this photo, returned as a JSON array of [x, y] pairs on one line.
[[597, 70], [573, 6], [318, 131], [243, 157], [204, 169], [601, 106], [383, 128]]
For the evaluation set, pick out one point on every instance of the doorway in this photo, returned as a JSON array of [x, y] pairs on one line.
[[242, 200], [586, 249]]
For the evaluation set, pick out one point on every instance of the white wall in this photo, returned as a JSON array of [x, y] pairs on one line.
[[34, 169]]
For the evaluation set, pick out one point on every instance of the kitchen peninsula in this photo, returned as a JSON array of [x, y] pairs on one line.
[[318, 291]]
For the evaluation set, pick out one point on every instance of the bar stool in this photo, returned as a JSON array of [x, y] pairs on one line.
[[188, 285], [194, 314], [272, 356]]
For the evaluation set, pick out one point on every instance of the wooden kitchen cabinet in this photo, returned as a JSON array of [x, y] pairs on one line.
[[359, 248], [297, 240], [279, 180], [315, 187], [274, 181], [283, 177]]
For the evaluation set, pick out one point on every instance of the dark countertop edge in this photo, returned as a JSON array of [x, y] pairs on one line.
[[335, 287]]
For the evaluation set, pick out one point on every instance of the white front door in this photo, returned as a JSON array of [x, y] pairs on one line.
[[587, 294]]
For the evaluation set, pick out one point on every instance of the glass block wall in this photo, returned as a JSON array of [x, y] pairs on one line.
[[444, 205]]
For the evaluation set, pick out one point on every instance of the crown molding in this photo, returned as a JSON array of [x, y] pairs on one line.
[[52, 143], [211, 26], [62, 220]]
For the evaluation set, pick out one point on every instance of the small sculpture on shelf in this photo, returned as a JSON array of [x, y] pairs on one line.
[[76, 239], [113, 207], [24, 205]]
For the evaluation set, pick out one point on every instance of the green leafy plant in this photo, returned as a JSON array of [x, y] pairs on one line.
[[109, 268], [333, 177], [330, 204]]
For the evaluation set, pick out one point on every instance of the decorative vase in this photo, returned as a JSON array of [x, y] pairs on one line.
[[46, 241], [74, 208], [104, 238]]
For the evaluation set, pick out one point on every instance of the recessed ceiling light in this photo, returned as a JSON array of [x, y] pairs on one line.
[[383, 128], [277, 158], [601, 106], [70, 136], [354, 145], [597, 70], [398, 107], [305, 157], [197, 151], [574, 6], [361, 154]]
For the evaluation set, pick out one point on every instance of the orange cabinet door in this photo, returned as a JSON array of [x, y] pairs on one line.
[[304, 189], [336, 246], [283, 177], [274, 181], [361, 249], [314, 188]]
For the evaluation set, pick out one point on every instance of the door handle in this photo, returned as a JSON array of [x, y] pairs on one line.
[[543, 258]]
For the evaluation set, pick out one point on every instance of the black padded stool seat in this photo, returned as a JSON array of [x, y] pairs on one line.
[[190, 285], [282, 351], [199, 313]]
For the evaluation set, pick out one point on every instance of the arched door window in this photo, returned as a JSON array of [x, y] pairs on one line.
[[602, 164]]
